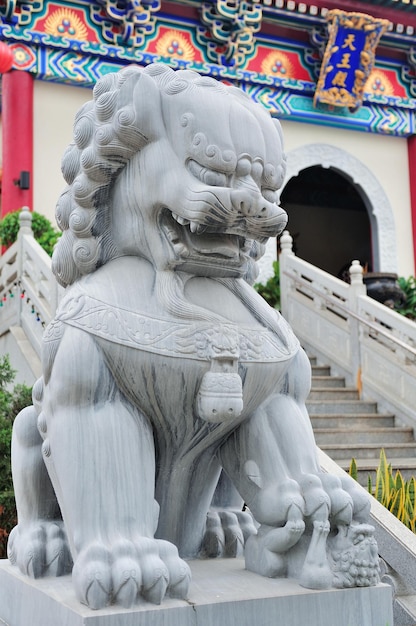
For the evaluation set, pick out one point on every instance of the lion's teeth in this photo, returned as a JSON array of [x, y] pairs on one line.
[[181, 220], [193, 226]]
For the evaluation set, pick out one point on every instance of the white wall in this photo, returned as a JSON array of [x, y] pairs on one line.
[[386, 157], [54, 107]]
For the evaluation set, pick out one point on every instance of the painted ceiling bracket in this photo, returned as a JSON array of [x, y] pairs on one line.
[[20, 11], [228, 30], [125, 22], [409, 72]]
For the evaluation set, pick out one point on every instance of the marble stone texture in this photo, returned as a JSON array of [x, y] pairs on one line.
[[222, 593], [163, 367]]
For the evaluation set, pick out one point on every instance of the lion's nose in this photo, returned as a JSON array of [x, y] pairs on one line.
[[248, 202]]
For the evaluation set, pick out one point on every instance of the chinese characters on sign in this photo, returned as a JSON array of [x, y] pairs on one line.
[[349, 58]]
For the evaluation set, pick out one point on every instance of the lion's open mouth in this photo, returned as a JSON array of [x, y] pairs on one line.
[[203, 245]]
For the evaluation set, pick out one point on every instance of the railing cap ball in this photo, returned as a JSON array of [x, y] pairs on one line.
[[356, 273], [25, 220], [286, 242]]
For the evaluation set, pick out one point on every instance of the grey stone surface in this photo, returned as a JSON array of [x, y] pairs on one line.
[[164, 367], [222, 593]]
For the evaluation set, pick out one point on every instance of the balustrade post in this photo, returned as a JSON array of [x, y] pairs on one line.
[[25, 222], [25, 228], [286, 251], [357, 288]]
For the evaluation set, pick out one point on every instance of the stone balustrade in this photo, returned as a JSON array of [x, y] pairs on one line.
[[368, 343], [29, 292]]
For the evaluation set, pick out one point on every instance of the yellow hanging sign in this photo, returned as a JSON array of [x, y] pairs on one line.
[[349, 58]]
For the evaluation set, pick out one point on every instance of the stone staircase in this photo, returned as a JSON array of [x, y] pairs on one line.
[[346, 427]]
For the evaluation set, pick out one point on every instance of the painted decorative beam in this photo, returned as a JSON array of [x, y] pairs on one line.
[[246, 43]]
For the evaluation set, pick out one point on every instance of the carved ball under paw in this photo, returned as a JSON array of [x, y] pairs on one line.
[[354, 557]]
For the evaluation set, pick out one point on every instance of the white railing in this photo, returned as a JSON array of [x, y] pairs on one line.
[[28, 290], [371, 345]]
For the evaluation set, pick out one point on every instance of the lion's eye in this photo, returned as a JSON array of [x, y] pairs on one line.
[[269, 194], [207, 176]]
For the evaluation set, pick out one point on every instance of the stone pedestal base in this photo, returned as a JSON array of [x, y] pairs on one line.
[[222, 593]]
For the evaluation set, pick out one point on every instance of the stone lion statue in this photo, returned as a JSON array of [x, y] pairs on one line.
[[163, 367]]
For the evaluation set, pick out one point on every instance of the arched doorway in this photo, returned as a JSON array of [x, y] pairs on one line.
[[328, 220], [382, 238]]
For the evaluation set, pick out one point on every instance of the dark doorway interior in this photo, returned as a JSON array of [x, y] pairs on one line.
[[328, 220]]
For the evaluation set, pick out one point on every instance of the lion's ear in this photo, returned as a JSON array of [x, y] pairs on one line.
[[147, 105]]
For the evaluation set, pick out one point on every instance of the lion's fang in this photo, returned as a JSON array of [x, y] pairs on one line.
[[181, 220]]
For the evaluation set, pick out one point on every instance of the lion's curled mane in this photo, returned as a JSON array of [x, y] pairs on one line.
[[108, 131]]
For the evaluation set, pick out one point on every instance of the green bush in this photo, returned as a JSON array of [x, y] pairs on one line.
[[271, 290], [43, 231], [392, 491], [12, 400], [408, 309]]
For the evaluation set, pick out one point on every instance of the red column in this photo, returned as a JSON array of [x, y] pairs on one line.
[[17, 130], [411, 151]]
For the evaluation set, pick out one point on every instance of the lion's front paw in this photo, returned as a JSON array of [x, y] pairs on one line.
[[146, 568], [266, 552], [40, 549]]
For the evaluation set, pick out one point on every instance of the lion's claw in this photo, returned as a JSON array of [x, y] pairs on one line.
[[40, 549], [147, 567], [226, 533]]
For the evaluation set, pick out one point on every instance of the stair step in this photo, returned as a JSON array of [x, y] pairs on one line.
[[353, 421], [362, 436], [365, 467], [321, 370], [346, 427], [407, 606], [333, 394], [344, 406], [345, 452], [327, 381]]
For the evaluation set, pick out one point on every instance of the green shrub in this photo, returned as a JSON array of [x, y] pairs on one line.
[[271, 290], [392, 491], [408, 309], [12, 400], [43, 231]]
